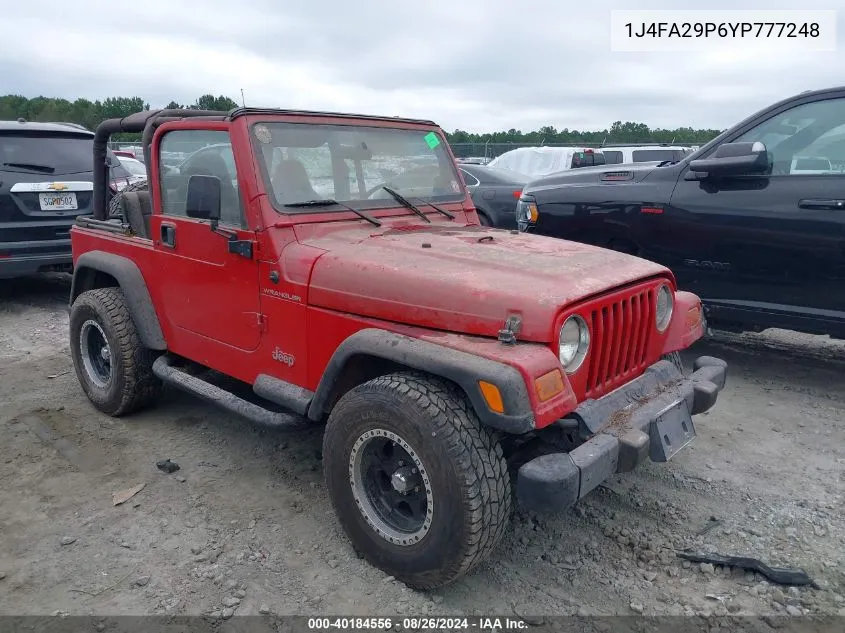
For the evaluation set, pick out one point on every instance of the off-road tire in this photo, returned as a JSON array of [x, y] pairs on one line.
[[677, 361], [116, 202], [468, 474], [131, 384]]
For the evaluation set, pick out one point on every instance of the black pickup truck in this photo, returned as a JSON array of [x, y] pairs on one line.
[[753, 222]]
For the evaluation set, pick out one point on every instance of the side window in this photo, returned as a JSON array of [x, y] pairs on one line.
[[469, 179], [186, 153], [587, 158], [649, 155], [808, 139], [229, 160]]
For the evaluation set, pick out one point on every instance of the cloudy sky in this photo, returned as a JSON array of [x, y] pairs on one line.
[[477, 65]]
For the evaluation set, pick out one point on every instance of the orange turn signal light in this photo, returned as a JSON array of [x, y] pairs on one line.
[[548, 385], [693, 317], [492, 396]]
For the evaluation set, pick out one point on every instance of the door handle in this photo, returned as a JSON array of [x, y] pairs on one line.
[[168, 234], [821, 203]]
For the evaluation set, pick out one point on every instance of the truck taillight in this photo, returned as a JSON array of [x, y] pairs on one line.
[[517, 193]]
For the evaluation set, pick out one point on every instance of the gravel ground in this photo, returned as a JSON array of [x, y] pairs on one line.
[[245, 526]]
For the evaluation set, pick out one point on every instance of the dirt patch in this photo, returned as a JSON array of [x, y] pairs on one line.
[[245, 522]]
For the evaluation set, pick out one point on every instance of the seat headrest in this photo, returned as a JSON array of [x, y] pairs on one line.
[[291, 181], [209, 164]]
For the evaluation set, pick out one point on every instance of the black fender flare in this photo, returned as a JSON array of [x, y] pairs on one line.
[[131, 282], [462, 368]]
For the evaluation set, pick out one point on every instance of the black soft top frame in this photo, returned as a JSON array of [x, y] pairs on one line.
[[148, 121]]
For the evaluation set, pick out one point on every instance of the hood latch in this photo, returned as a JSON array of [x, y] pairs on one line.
[[507, 335]]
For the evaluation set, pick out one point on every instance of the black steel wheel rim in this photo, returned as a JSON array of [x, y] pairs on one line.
[[391, 487]]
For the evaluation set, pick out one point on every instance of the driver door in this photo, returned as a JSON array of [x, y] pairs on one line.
[[776, 238], [210, 294]]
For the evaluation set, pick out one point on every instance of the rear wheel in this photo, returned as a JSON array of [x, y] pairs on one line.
[[420, 487], [483, 218], [112, 365]]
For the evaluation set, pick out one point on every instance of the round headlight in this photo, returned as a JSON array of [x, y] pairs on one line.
[[574, 341], [665, 303]]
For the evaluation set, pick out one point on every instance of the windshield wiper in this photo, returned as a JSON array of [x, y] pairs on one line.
[[328, 202], [405, 203], [32, 166], [448, 214]]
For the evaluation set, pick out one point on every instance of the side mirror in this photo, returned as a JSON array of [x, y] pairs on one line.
[[734, 159], [203, 200]]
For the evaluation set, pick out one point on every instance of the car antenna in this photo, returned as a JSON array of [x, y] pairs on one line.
[[243, 101]]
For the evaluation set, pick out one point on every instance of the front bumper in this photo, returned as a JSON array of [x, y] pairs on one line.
[[648, 418]]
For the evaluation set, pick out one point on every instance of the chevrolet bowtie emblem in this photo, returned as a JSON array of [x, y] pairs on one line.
[[57, 186]]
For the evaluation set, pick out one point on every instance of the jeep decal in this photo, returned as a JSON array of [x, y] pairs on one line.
[[283, 357]]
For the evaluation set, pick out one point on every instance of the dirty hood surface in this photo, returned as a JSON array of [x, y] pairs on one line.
[[464, 279]]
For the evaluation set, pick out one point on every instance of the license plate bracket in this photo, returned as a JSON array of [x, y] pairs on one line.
[[671, 430], [64, 201]]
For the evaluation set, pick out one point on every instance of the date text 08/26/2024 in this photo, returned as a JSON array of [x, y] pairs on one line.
[[482, 624]]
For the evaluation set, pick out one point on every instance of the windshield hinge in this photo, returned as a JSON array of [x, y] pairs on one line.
[[507, 335]]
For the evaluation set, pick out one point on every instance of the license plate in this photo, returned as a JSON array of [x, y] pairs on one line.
[[57, 201], [671, 430]]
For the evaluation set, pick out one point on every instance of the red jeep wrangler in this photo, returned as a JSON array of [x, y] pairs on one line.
[[333, 265]]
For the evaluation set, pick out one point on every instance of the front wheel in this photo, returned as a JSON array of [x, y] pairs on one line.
[[419, 485]]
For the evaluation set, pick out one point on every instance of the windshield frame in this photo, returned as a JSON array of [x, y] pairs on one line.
[[442, 152]]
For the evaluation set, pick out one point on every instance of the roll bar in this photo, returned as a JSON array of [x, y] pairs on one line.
[[146, 123]]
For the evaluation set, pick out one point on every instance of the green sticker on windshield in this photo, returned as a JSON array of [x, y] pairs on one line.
[[432, 140]]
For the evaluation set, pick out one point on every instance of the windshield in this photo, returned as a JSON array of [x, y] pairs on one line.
[[52, 153], [134, 167], [351, 164]]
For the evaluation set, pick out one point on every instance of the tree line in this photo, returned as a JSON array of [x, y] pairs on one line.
[[91, 113], [619, 132]]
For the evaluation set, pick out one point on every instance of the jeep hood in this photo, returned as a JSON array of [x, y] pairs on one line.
[[621, 174], [464, 279]]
